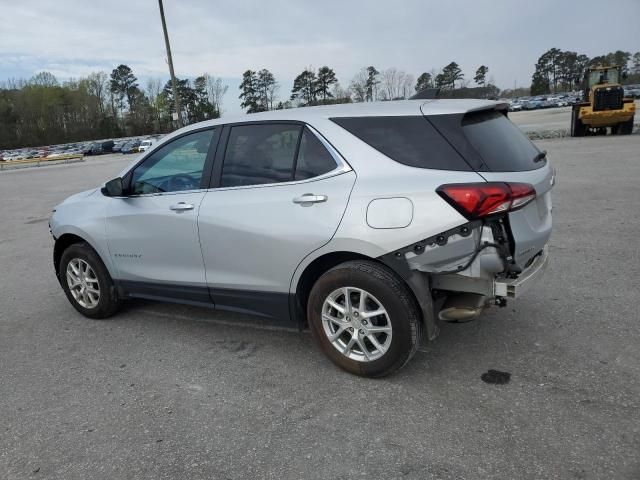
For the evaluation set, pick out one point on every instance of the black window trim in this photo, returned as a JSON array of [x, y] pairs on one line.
[[206, 171], [216, 174]]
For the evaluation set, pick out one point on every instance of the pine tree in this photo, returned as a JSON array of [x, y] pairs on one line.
[[249, 92], [304, 88], [325, 78], [481, 75], [424, 81]]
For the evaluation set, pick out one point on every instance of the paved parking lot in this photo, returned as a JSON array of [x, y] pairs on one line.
[[547, 119], [167, 392]]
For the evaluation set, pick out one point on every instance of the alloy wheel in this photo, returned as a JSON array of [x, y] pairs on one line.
[[357, 324], [83, 283]]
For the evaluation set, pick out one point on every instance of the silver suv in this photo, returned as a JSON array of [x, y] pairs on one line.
[[368, 223]]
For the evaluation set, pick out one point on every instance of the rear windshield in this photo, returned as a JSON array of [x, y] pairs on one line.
[[483, 141], [500, 144], [411, 140]]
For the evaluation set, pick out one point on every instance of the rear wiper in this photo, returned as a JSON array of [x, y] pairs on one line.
[[539, 157]]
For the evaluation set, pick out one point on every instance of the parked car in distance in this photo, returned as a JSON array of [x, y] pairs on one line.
[[515, 106], [532, 104], [130, 147], [107, 146], [632, 91], [145, 145], [93, 149], [361, 221]]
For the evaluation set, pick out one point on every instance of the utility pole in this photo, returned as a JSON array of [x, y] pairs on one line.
[[174, 84]]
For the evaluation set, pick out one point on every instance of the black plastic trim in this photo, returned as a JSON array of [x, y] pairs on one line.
[[273, 305], [168, 292]]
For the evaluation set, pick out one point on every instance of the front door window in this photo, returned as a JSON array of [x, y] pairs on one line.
[[176, 167]]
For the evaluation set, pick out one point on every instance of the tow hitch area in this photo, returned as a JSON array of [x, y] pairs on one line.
[[513, 288]]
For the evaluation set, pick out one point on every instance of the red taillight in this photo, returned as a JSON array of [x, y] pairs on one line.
[[476, 200]]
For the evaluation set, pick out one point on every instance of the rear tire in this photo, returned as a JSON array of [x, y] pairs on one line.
[[578, 129], [87, 283], [361, 343], [625, 128]]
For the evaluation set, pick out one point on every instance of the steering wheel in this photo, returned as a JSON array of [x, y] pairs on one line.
[[181, 181]]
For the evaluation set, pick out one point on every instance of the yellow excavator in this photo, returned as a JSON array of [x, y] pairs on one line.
[[603, 104]]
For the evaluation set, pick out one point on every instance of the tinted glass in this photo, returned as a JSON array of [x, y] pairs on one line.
[[175, 167], [313, 157], [259, 154], [410, 140], [500, 144]]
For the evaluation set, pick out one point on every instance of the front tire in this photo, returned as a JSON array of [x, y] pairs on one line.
[[87, 283], [364, 318]]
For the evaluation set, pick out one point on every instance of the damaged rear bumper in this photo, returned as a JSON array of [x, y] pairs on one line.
[[513, 288]]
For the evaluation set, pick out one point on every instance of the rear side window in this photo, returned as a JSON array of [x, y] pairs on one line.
[[259, 154], [410, 140], [313, 158], [500, 144], [273, 153]]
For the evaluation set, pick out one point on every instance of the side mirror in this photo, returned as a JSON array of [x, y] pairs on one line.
[[113, 188]]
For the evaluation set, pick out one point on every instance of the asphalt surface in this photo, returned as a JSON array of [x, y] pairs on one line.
[[547, 119], [172, 392], [544, 119]]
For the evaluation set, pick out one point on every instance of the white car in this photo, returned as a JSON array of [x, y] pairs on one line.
[[145, 145]]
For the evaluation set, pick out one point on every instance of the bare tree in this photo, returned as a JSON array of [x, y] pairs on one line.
[[396, 84], [216, 90], [358, 86], [97, 86], [406, 87], [154, 88], [44, 79], [389, 83], [339, 92]]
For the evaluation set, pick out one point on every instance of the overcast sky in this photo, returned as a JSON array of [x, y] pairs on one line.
[[72, 38]]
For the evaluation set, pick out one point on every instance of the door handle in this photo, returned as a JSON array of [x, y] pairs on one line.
[[308, 198], [181, 207]]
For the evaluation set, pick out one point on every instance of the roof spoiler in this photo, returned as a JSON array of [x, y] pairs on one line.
[[426, 94]]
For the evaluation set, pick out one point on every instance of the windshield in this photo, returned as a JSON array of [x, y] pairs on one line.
[[609, 75]]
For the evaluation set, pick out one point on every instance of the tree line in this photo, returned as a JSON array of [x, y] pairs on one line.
[[558, 70], [44, 111], [259, 90]]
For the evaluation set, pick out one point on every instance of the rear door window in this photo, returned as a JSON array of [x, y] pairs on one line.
[[260, 154], [410, 140]]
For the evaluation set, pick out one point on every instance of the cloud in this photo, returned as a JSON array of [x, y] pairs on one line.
[[226, 37]]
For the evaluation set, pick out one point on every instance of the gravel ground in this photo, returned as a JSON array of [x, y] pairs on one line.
[[168, 392]]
